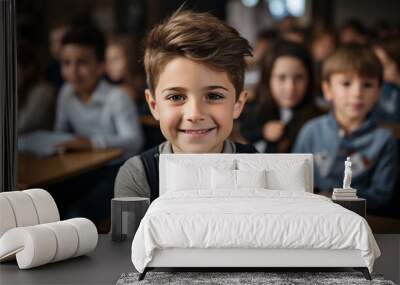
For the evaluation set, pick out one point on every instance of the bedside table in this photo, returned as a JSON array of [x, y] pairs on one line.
[[357, 205], [126, 214]]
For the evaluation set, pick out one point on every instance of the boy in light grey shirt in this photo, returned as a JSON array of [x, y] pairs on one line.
[[108, 119], [99, 114]]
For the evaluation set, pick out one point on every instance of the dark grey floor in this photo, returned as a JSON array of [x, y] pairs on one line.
[[102, 266], [110, 259]]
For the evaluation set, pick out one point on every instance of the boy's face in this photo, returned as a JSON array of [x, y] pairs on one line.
[[195, 105], [80, 67], [352, 96], [116, 63], [55, 39], [349, 35], [323, 47]]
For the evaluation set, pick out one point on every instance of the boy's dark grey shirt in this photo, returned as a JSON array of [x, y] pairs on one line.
[[131, 180]]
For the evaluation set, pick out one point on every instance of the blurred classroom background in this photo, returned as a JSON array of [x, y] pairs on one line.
[[317, 26]]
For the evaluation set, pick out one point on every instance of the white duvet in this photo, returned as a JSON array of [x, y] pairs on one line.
[[253, 218]]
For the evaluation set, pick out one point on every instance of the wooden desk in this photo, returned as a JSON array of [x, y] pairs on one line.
[[34, 171]]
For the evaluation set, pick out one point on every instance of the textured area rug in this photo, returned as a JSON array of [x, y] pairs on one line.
[[229, 278]]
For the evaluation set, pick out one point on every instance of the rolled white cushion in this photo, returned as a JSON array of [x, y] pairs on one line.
[[7, 218], [23, 208], [67, 239], [45, 205], [87, 234], [33, 246], [40, 244]]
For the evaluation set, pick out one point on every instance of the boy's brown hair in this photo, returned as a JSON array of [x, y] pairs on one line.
[[200, 37], [353, 58]]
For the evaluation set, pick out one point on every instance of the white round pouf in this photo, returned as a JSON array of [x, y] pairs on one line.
[[7, 218], [87, 233], [45, 205], [33, 246], [23, 208], [67, 240], [40, 244]]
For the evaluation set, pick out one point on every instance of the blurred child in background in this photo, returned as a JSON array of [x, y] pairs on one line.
[[99, 114], [388, 108], [352, 78], [353, 31], [284, 99], [121, 66], [53, 71], [123, 69], [36, 98], [323, 44]]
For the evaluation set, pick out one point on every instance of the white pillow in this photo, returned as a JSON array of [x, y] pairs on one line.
[[278, 180], [223, 179], [235, 179], [189, 176], [281, 175], [251, 178]]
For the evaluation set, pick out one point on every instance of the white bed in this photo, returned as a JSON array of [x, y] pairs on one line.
[[267, 218]]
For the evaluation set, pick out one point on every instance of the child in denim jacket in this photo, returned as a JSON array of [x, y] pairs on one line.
[[352, 78]]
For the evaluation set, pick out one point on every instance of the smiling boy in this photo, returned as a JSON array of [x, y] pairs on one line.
[[195, 72], [352, 77]]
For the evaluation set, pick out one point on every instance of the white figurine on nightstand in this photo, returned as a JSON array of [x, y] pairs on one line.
[[345, 193], [347, 174]]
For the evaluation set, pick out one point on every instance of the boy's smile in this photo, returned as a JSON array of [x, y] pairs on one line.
[[195, 105], [197, 133]]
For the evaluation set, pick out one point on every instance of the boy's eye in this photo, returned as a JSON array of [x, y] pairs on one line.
[[175, 98], [367, 84], [214, 96], [281, 77], [346, 83]]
